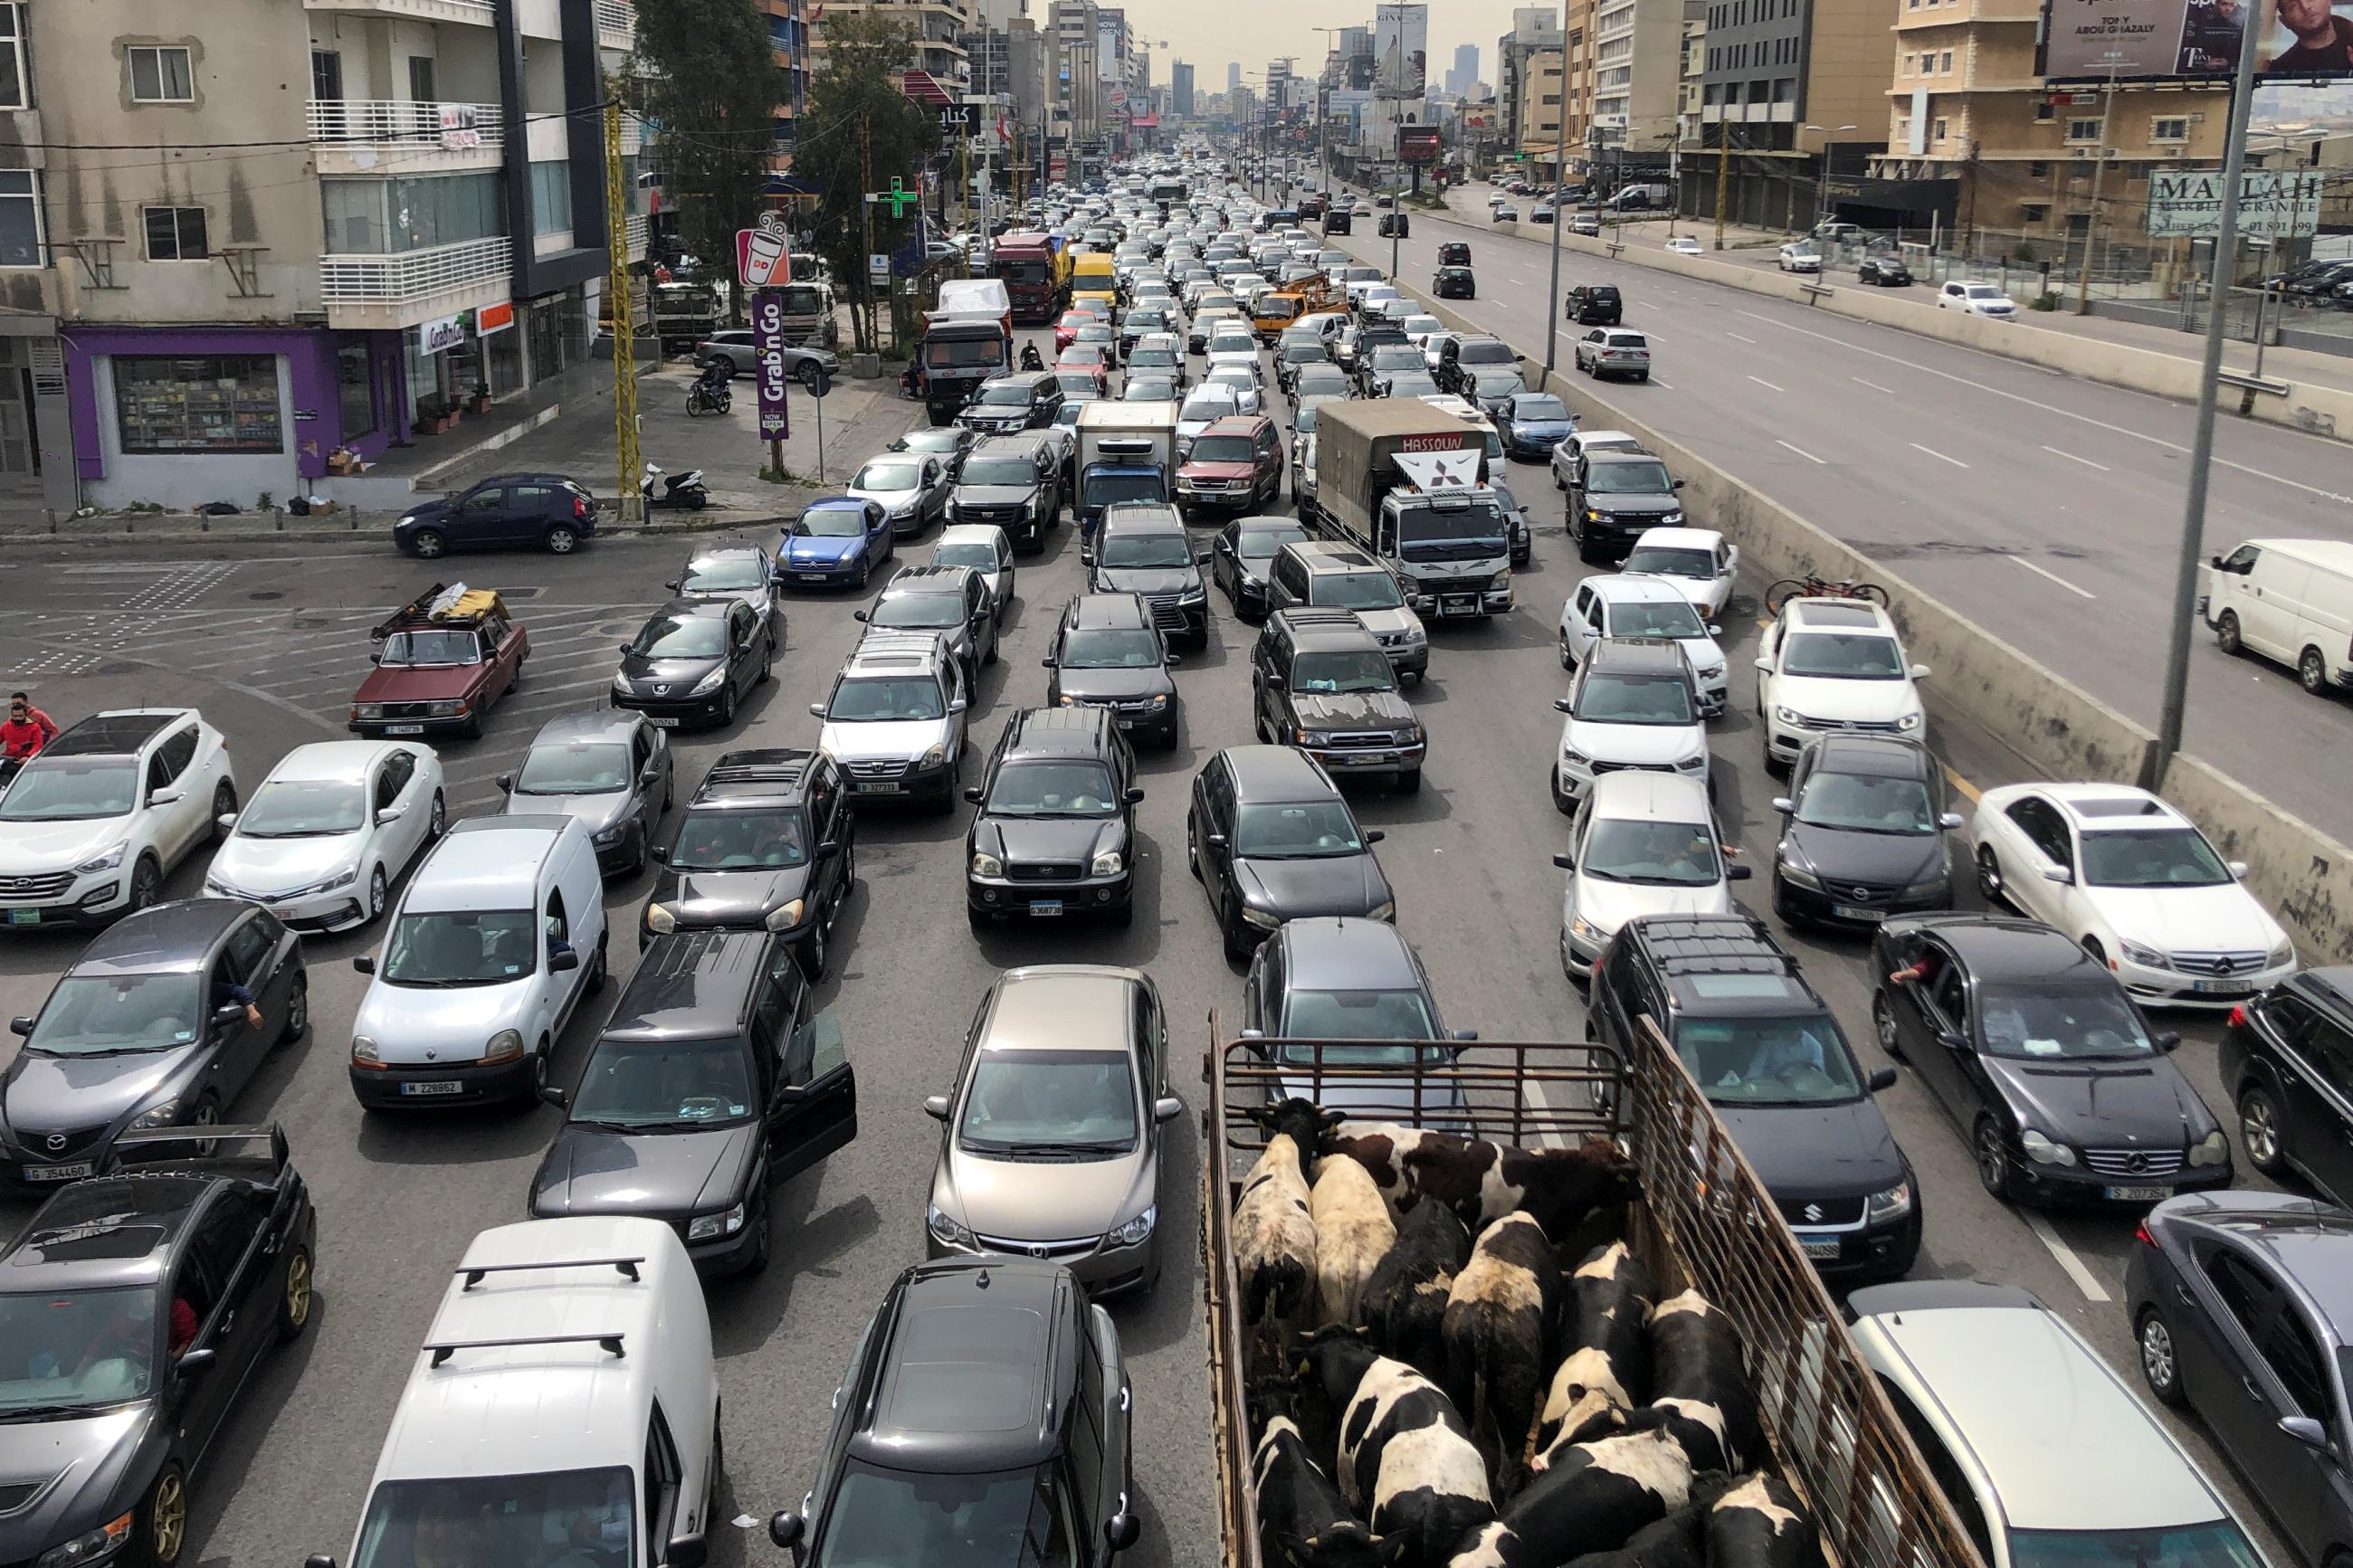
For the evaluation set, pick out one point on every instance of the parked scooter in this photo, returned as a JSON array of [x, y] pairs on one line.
[[680, 492]]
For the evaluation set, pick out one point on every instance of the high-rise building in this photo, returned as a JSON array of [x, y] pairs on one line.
[[1534, 28], [1074, 78], [1638, 70], [1465, 70], [1233, 76], [1180, 90]]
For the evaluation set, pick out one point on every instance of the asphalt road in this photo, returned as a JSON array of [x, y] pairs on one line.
[[271, 648], [2045, 508]]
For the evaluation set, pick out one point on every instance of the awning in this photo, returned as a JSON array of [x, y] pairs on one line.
[[920, 86]]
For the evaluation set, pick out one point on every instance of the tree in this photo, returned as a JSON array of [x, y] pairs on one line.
[[858, 132], [709, 84]]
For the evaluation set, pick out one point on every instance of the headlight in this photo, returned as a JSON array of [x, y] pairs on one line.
[[1693, 764], [1193, 595], [1410, 735], [367, 710], [1909, 722], [2042, 1151], [341, 879], [163, 1115], [1385, 910], [1893, 1204], [1160, 699], [2211, 1150], [708, 1226], [1067, 700], [610, 837], [2146, 957], [1713, 672], [899, 511], [1107, 864], [1260, 919], [1135, 1230], [103, 1541], [1574, 758], [1789, 715], [220, 889], [947, 1232], [709, 683], [2282, 952], [447, 709], [933, 757], [621, 684], [1580, 926], [1801, 877], [106, 862], [1927, 889], [504, 1046], [1593, 516], [787, 917], [660, 919], [365, 1052]]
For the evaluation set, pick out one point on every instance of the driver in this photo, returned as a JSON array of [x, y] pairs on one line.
[[1782, 1049]]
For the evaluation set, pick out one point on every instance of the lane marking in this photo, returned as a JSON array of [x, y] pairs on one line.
[[1734, 334], [2054, 577], [1933, 453], [1662, 386], [2065, 1256], [1873, 385], [1769, 387], [1968, 789], [2074, 459], [1799, 450]]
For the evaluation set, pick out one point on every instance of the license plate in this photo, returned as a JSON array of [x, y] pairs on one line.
[[1045, 906], [1347, 760], [437, 1086], [57, 1172], [2137, 1194], [810, 576], [2222, 987], [1819, 1246], [1851, 912], [403, 729], [662, 721], [1463, 604], [880, 789], [24, 917]]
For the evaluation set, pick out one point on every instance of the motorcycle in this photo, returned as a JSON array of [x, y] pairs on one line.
[[707, 397], [680, 492]]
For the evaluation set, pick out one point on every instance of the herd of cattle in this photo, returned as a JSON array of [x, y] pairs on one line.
[[1433, 1386]]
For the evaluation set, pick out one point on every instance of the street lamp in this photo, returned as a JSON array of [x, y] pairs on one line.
[[1822, 181]]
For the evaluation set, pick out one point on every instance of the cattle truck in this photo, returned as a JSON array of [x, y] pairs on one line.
[[1128, 452], [1036, 270], [1403, 480], [1703, 1222]]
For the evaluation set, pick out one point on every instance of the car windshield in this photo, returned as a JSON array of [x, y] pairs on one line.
[[1152, 358], [1075, 382], [1417, 325], [411, 648], [583, 768], [1026, 1099], [1436, 524], [829, 523], [76, 1349], [1055, 788], [888, 474], [117, 1015], [1984, 292], [1397, 356], [1309, 352], [886, 700], [1672, 561], [1655, 618], [71, 789], [1328, 1016], [1107, 647], [880, 1516], [767, 838], [978, 554], [1221, 449], [682, 637], [572, 1518], [1356, 591], [1867, 803], [1842, 655], [1205, 406], [2151, 858], [1168, 551], [1636, 699], [728, 574], [1489, 352], [918, 612], [1148, 389], [1297, 830], [1233, 344], [1539, 409], [2079, 1022], [459, 948], [964, 353], [1020, 473], [673, 1086], [1261, 543], [1005, 395], [1335, 674], [1794, 1060], [2220, 1545], [1653, 854], [303, 808], [1628, 478]]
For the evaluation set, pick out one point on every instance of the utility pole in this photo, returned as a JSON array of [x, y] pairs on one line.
[[1560, 179], [623, 307], [865, 213], [2091, 218], [1722, 168]]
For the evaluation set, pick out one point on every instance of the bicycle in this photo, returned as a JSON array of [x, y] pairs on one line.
[[1812, 587]]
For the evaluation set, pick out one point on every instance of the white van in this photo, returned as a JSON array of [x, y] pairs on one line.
[[498, 937], [563, 1410], [2287, 599]]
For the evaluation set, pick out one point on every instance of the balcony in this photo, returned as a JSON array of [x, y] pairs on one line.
[[639, 230], [616, 25], [403, 136], [364, 292], [478, 12]]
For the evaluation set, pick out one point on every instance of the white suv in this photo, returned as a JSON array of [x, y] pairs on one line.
[[1635, 605], [1699, 560], [1632, 705], [90, 827], [1833, 664]]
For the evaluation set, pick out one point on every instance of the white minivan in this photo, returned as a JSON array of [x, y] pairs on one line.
[[499, 934], [563, 1410], [2288, 599]]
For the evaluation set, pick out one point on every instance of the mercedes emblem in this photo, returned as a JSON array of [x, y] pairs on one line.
[[2137, 1161], [56, 1142], [1814, 1213]]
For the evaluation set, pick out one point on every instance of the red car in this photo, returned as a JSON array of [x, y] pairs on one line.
[[443, 659], [1066, 331], [1087, 359], [1235, 465]]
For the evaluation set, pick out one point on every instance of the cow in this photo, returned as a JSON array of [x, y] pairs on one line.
[[1404, 1301], [1501, 1322], [1485, 1181], [1593, 1498], [1353, 1233], [1701, 1382], [1760, 1523], [1381, 1147], [1302, 1518], [1274, 1229], [1607, 1336], [1406, 1459], [1678, 1540]]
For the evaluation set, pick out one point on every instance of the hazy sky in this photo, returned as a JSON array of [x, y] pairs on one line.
[[1206, 34]]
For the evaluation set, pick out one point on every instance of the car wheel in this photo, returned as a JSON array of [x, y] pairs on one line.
[[379, 888], [597, 970], [721, 363], [2159, 1368], [2226, 633], [162, 1525], [2312, 672], [763, 1247], [439, 822], [727, 707], [224, 804], [298, 1008], [2259, 1129], [1568, 652], [812, 951], [1988, 874], [767, 662], [146, 879], [1409, 782], [427, 544], [1993, 1161], [561, 540], [1561, 802], [2099, 954], [296, 1296]]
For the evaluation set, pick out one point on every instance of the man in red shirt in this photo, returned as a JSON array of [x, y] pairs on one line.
[[25, 731]]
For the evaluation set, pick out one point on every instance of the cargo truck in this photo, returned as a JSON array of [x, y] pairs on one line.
[[1128, 452], [1036, 270], [1407, 483], [957, 355]]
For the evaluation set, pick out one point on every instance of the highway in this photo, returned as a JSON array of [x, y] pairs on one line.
[[2045, 508]]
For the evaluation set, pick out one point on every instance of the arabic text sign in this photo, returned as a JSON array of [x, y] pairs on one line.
[[2187, 203]]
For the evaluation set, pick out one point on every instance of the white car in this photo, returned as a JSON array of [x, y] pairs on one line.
[[1643, 842], [1628, 604], [1377, 299], [2132, 880], [1204, 406], [1699, 560], [1580, 442], [324, 835], [90, 827], [1684, 245], [1233, 344], [1833, 664], [1250, 394], [1420, 329], [1304, 484], [1977, 300], [1799, 258], [1632, 704]]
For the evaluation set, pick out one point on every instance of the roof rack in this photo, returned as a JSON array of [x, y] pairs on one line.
[[446, 604], [474, 1272], [444, 1349]]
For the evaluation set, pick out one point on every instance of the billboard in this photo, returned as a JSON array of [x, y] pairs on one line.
[[1418, 144], [1401, 50], [2274, 203], [2129, 40]]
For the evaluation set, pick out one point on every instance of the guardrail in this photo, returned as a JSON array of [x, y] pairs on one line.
[[414, 276]]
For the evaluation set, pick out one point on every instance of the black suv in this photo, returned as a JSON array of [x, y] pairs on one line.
[[1013, 481], [1766, 1051], [1055, 833], [952, 601], [1467, 356], [1141, 548], [1271, 839], [1321, 681], [987, 1402], [766, 844], [1020, 400], [1108, 653], [1617, 497], [1595, 305], [2286, 1062], [710, 1083]]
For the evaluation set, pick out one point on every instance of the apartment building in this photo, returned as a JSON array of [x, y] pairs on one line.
[[1798, 87], [788, 35], [1534, 28], [935, 37], [1543, 77], [1638, 70], [1075, 27], [1180, 90]]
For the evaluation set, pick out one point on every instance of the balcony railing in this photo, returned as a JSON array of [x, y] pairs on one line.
[[639, 230], [475, 11], [616, 25], [410, 123], [415, 276]]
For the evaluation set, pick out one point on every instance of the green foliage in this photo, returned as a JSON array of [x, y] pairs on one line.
[[707, 77]]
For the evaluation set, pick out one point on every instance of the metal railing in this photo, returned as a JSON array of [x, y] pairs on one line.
[[616, 24], [400, 122], [483, 11], [414, 275]]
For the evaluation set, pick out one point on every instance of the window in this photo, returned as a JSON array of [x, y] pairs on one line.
[[2083, 129], [559, 928], [16, 82], [1949, 1477], [421, 85], [2044, 113], [2039, 169], [161, 76], [399, 768], [551, 197], [2033, 212], [355, 390], [219, 402], [21, 241], [1911, 64], [375, 217], [2246, 1295], [176, 234], [1940, 132], [1944, 63], [2289, 1349], [2170, 128]]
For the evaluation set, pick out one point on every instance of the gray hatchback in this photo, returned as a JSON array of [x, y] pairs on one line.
[[607, 766]]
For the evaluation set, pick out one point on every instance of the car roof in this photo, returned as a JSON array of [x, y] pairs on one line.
[[1876, 756], [1634, 587], [1075, 732], [972, 1376], [2104, 807], [1042, 1006], [1682, 538], [1323, 629], [1156, 517], [111, 1230], [892, 650], [1273, 773], [487, 863], [162, 939], [1646, 795], [1637, 656], [968, 534], [2003, 948], [120, 733], [1024, 442], [1106, 611], [1613, 456], [695, 609], [929, 577], [613, 724], [1236, 425], [760, 774], [722, 552], [1339, 952], [1328, 555], [1854, 616], [343, 761], [690, 985]]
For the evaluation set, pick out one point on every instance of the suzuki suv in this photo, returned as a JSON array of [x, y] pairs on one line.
[[1109, 654], [1141, 548], [895, 719], [1321, 682]]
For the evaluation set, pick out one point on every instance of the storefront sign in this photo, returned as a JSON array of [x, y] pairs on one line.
[[2274, 203], [495, 318], [441, 336], [459, 129], [768, 345], [760, 257], [304, 416]]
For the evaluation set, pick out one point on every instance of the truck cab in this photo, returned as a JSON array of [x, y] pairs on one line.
[[957, 356], [1403, 480], [1128, 452]]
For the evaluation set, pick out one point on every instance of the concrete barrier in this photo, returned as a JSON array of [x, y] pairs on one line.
[[2303, 876]]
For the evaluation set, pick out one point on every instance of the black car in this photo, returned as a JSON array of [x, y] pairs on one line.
[[149, 1029], [952, 601], [1139, 322], [1337, 221], [1453, 253], [985, 1402], [1271, 839], [1863, 832], [1595, 305], [1321, 681], [766, 844], [511, 511], [1055, 834], [1515, 519], [1379, 364], [1461, 357], [1765, 1050], [1016, 400], [1108, 653], [1241, 553], [1489, 390], [1015, 482], [1141, 547], [2239, 1302], [1394, 223], [692, 661], [711, 1083], [1885, 271], [2286, 1062], [953, 442], [134, 1308], [1293, 356], [2043, 1062], [1618, 497]]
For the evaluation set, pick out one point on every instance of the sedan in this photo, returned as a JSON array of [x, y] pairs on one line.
[[1977, 300], [1506, 213], [1863, 832], [1240, 555], [1700, 562], [1884, 270], [1645, 843], [1271, 838], [322, 839], [692, 661], [914, 490], [1533, 424], [1249, 393], [731, 572], [950, 443], [1684, 245], [1066, 329], [610, 767], [1323, 978], [836, 541]]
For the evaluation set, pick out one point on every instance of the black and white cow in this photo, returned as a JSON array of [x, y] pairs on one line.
[[1485, 1181], [1607, 1340], [1701, 1381], [1502, 1324], [1406, 1459], [1678, 1540], [1302, 1518], [1404, 1301], [1353, 1233], [1273, 1231], [1593, 1498], [1760, 1523]]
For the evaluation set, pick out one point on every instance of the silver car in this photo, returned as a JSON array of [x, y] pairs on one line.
[[912, 486], [608, 767], [983, 547], [742, 572]]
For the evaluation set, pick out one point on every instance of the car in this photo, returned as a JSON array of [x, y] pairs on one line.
[[1203, 406], [1516, 523], [692, 662], [1504, 212], [1633, 604], [913, 487], [957, 602], [1012, 485], [1054, 835], [741, 571], [1108, 653], [992, 1380], [1460, 357], [1095, 343], [550, 510], [1863, 832], [1617, 497], [1800, 257], [1379, 363], [1150, 386], [2131, 879], [950, 443], [1141, 320], [610, 767], [1323, 978], [1394, 224], [1239, 556], [983, 548], [1887, 271], [1614, 351], [1293, 356], [137, 1306], [1271, 838], [1314, 383], [91, 826], [162, 1021], [496, 940], [1595, 305], [767, 843], [713, 1080], [1642, 843], [1234, 465], [1250, 392], [1321, 680], [1017, 400], [1490, 389], [1160, 357], [1569, 456], [1337, 577], [320, 841], [2286, 1062], [735, 351], [895, 719], [1977, 300], [442, 661], [1684, 245], [1453, 253], [1699, 560], [1992, 1387], [1141, 547], [1337, 220], [1833, 664], [836, 541], [1632, 703]]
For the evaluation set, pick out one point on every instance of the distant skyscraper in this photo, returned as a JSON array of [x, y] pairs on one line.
[[1181, 89], [1466, 70], [1233, 76]]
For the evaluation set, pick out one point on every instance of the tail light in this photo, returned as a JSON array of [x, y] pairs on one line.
[[2238, 1018], [2141, 1235], [580, 507]]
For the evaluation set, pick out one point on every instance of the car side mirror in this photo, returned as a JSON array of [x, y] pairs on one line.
[[2216, 561], [226, 821], [2238, 869], [1564, 860], [1881, 1080], [958, 706], [1135, 795], [2058, 874], [1917, 671], [363, 964], [194, 1361], [687, 1553], [1122, 1530], [658, 855], [2167, 1040], [1738, 873], [2309, 1432], [164, 797], [553, 1096], [563, 962], [1167, 1108], [825, 846], [622, 647], [785, 1529], [1765, 665], [1563, 705], [1374, 836], [506, 782], [389, 815], [1047, 662], [1784, 804], [1462, 1036], [21, 1025], [1949, 820], [1953, 1039], [1274, 680], [1678, 484], [972, 793], [318, 1560], [673, 583], [936, 1107], [816, 710], [858, 615]]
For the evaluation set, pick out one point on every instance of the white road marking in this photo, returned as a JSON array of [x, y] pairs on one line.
[[1769, 387], [1662, 386], [1799, 450], [1732, 334], [1873, 385], [2073, 458], [2066, 1256], [1933, 453], [2054, 576]]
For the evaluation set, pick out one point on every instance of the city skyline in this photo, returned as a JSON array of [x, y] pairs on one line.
[[1207, 30]]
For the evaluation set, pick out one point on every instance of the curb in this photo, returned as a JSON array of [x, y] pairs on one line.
[[374, 535]]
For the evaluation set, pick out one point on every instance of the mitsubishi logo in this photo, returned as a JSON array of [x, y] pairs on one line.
[[56, 1142], [1814, 1213]]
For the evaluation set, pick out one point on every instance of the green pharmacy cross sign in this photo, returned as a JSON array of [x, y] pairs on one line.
[[899, 196]]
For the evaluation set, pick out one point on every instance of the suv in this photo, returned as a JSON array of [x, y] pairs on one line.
[[1765, 1050], [1321, 681], [1141, 548], [1635, 605], [1464, 356], [1632, 703], [1616, 499], [1234, 466], [91, 826], [1108, 653], [768, 843], [1343, 577], [1021, 400], [1271, 838], [1014, 482], [1833, 664], [1056, 828], [989, 1383], [895, 718], [952, 601], [546, 510], [1595, 305]]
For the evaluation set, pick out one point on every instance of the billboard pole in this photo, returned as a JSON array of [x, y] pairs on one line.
[[2201, 453], [1559, 183]]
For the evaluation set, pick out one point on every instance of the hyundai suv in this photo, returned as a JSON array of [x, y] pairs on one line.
[[952, 601], [1055, 833], [895, 719], [1632, 704], [1108, 653], [1321, 682]]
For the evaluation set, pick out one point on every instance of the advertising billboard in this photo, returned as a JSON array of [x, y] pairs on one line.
[[1418, 144], [1400, 50], [2274, 203], [2138, 40]]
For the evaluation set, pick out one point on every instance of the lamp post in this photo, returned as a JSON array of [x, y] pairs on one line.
[[1559, 181], [1822, 181]]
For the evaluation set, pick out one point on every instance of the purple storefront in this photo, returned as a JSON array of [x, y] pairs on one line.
[[182, 417]]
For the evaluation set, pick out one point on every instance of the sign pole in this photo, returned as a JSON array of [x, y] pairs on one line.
[[820, 441]]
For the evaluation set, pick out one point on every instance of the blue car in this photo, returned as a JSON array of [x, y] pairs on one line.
[[837, 541], [1533, 424]]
